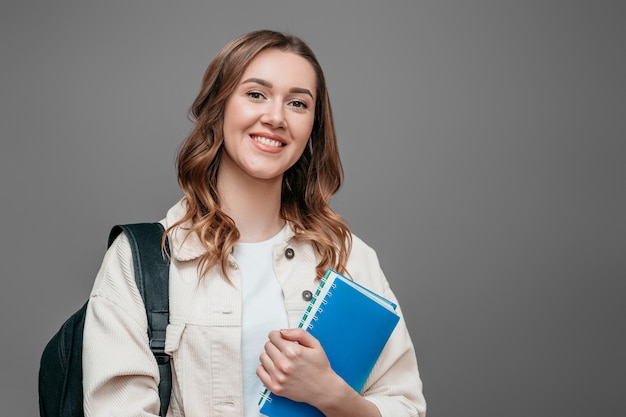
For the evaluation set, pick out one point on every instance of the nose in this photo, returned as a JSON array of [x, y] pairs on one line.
[[274, 115]]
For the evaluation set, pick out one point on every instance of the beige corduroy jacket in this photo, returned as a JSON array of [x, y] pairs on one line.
[[203, 337]]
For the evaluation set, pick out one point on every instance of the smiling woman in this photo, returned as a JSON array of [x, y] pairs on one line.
[[268, 120], [249, 241]]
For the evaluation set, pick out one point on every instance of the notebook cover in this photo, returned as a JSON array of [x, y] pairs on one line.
[[353, 330]]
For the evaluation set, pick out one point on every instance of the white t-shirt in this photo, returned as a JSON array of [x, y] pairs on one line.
[[263, 311]]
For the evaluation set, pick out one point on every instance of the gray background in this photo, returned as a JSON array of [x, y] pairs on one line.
[[483, 144]]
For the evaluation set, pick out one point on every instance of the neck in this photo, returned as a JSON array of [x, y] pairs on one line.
[[253, 204]]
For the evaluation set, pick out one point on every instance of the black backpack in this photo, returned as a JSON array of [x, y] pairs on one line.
[[60, 370]]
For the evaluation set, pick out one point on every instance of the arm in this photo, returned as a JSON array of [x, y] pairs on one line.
[[120, 375], [394, 384], [294, 365]]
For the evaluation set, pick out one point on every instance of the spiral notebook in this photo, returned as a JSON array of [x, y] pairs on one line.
[[353, 325]]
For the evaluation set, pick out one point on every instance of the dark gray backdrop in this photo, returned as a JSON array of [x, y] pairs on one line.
[[483, 144]]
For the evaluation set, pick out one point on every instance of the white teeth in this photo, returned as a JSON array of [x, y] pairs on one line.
[[267, 141]]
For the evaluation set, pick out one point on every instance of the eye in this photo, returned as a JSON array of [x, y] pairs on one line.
[[255, 95], [298, 104]]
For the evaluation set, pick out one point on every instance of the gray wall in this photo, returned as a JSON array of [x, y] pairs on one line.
[[483, 144]]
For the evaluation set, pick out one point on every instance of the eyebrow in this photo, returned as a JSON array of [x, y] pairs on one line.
[[265, 83]]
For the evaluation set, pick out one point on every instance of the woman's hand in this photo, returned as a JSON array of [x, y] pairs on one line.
[[294, 365]]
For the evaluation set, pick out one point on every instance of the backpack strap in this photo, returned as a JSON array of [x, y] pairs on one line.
[[152, 276]]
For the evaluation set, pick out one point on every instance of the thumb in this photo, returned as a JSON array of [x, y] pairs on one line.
[[299, 335]]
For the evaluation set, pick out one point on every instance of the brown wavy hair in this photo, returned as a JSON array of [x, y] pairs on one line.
[[307, 186]]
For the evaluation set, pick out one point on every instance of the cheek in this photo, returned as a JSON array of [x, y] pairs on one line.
[[303, 135], [303, 129], [237, 116]]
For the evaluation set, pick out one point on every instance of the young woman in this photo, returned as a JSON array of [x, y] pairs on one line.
[[249, 241]]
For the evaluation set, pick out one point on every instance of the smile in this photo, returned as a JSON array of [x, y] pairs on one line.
[[267, 141]]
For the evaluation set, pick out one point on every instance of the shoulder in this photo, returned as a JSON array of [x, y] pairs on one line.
[[184, 246], [115, 280], [360, 247], [362, 253], [364, 267], [117, 263]]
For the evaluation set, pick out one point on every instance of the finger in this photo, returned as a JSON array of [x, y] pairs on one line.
[[268, 380], [285, 336], [300, 336], [264, 376], [271, 350], [279, 342], [270, 372], [280, 349], [274, 335], [266, 362]]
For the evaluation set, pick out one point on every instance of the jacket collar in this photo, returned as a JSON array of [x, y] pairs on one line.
[[186, 246]]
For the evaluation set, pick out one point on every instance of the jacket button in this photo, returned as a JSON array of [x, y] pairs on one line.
[[307, 295], [289, 253]]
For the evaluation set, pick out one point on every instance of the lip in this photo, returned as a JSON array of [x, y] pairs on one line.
[[265, 147], [269, 136]]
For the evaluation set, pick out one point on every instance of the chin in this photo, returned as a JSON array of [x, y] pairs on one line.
[[266, 176]]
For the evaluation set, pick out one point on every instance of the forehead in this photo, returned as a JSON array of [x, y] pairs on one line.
[[282, 69]]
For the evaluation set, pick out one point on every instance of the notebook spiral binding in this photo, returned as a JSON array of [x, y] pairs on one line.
[[320, 310], [265, 394]]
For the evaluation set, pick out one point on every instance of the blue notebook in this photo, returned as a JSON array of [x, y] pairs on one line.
[[353, 325]]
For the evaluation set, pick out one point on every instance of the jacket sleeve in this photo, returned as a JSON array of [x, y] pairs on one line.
[[394, 385], [120, 374]]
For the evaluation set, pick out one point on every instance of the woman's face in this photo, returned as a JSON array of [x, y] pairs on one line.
[[269, 117]]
